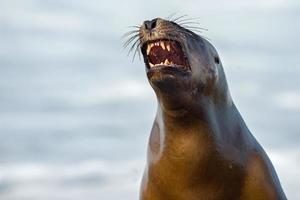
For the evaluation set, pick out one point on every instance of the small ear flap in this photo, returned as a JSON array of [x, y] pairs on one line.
[[217, 60]]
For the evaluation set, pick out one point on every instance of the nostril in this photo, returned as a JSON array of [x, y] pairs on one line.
[[153, 23], [149, 25]]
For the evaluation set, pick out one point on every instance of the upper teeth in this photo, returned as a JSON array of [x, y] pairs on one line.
[[160, 43], [168, 47]]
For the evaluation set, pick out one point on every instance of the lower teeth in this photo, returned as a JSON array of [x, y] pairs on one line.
[[167, 62]]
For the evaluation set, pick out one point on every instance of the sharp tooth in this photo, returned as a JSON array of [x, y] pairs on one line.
[[166, 62], [148, 49], [162, 44], [168, 47], [161, 63], [151, 65]]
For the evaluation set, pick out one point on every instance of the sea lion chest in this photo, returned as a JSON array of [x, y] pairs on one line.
[[183, 163]]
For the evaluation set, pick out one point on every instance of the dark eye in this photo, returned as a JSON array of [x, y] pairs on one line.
[[217, 60]]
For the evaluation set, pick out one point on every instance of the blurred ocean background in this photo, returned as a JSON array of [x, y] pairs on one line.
[[75, 112]]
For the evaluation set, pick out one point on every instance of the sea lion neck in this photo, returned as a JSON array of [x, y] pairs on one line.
[[177, 135], [194, 103], [202, 110], [204, 119]]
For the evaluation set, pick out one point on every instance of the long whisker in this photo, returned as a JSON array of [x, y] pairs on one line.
[[193, 35], [169, 17], [182, 32], [188, 33], [130, 40], [187, 19], [189, 23], [133, 45], [137, 50], [133, 40], [192, 24], [128, 36], [133, 27], [195, 27], [129, 33], [180, 17]]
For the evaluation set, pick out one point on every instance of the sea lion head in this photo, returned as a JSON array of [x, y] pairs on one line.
[[183, 68]]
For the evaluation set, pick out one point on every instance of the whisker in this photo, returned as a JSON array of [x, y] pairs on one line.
[[182, 32], [133, 45], [195, 27], [180, 17], [138, 27], [191, 23], [130, 33], [169, 17], [188, 22], [190, 34], [130, 40], [137, 50], [134, 41], [187, 19]]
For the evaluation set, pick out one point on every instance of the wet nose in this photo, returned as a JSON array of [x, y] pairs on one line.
[[149, 25]]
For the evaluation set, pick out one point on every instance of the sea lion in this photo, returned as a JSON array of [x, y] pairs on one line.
[[200, 147]]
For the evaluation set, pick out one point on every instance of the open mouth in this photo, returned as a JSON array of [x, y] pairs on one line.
[[164, 53]]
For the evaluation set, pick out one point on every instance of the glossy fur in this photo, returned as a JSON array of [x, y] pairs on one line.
[[199, 147]]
